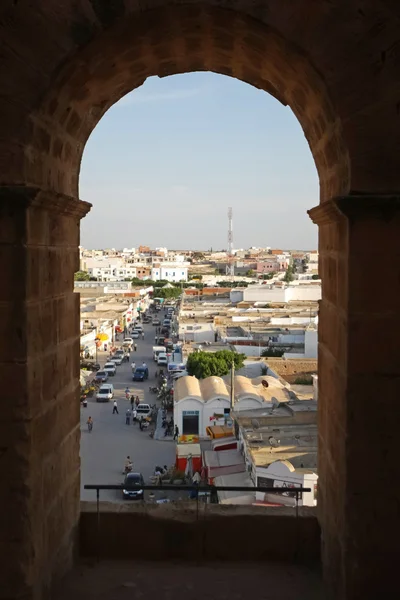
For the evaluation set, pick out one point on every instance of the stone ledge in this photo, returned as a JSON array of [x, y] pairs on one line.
[[356, 206], [25, 196]]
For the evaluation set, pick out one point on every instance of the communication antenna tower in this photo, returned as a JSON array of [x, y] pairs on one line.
[[230, 269]]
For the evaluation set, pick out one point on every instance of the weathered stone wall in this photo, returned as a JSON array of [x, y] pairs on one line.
[[218, 532], [39, 369]]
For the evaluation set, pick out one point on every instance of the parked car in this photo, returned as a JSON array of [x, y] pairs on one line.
[[110, 368], [162, 359], [135, 334], [128, 340], [140, 374], [133, 489], [101, 376], [89, 365], [105, 393], [156, 322], [120, 351], [143, 410], [167, 323], [138, 328], [117, 359]]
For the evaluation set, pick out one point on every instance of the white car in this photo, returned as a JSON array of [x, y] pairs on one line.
[[142, 411], [128, 340], [105, 393], [162, 359], [135, 334], [117, 359], [110, 368], [138, 328]]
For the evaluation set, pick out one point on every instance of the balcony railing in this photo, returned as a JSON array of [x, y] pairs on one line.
[[206, 491]]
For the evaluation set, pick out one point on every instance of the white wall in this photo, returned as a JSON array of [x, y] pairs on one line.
[[188, 404], [214, 406], [258, 293], [311, 343]]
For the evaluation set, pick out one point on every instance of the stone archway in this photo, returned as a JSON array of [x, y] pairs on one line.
[[82, 59]]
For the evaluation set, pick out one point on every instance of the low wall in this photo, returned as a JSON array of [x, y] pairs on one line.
[[175, 531]]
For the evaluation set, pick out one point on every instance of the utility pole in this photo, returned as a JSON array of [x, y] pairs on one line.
[[232, 387], [230, 267]]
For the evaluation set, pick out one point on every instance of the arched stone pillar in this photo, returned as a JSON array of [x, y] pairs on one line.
[[39, 369], [359, 366]]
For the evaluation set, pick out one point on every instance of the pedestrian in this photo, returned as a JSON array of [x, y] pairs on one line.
[[173, 355], [89, 424], [132, 401], [155, 339], [137, 401], [115, 408], [176, 432], [134, 415], [135, 346], [133, 365], [127, 393], [128, 417], [142, 335]]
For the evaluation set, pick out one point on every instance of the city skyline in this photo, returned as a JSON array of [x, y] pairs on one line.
[[205, 142]]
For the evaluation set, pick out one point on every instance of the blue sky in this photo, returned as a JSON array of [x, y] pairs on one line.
[[165, 163]]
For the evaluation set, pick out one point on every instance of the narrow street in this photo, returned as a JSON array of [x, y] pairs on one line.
[[103, 451]]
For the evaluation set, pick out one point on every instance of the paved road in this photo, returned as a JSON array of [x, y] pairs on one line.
[[103, 451]]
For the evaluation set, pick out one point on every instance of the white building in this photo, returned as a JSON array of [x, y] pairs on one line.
[[199, 403], [282, 473], [171, 271], [267, 293]]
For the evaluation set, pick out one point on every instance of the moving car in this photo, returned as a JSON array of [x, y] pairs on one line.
[[105, 393], [135, 334], [140, 374], [167, 323], [110, 368], [162, 359], [101, 376], [117, 359], [133, 489]]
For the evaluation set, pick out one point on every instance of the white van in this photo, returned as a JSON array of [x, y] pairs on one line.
[[157, 350], [105, 393]]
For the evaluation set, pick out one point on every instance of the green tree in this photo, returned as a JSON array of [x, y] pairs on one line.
[[289, 274], [250, 273], [81, 276], [207, 364], [167, 292], [273, 352]]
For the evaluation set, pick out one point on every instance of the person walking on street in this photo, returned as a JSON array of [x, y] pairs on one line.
[[132, 402], [133, 365], [127, 393], [137, 401], [135, 346], [115, 408], [134, 415], [89, 424], [176, 432], [128, 417], [142, 335]]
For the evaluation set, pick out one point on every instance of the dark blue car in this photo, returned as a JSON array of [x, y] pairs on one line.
[[140, 374]]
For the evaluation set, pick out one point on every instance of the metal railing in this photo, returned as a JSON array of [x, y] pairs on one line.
[[211, 489]]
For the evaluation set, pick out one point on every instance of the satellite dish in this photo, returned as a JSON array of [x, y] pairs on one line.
[[255, 423], [265, 383]]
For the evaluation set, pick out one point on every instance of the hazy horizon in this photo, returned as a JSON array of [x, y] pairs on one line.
[[165, 163]]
